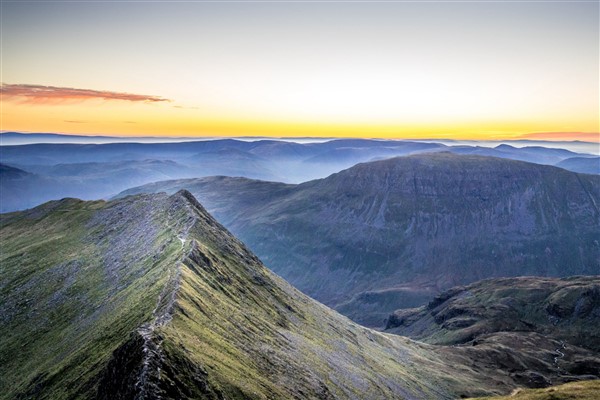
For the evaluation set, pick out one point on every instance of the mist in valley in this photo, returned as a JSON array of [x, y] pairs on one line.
[[33, 173]]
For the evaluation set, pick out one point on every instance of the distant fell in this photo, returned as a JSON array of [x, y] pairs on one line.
[[9, 173], [587, 165], [105, 166]]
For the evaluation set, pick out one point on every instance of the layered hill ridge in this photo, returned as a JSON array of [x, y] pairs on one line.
[[91, 170], [149, 297], [390, 234]]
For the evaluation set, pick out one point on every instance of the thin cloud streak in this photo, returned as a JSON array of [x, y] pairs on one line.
[[567, 136], [39, 94]]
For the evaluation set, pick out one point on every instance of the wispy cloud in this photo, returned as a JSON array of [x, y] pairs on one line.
[[38, 94], [76, 121], [187, 108], [583, 136]]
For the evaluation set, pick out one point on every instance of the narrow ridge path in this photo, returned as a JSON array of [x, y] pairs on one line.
[[152, 348]]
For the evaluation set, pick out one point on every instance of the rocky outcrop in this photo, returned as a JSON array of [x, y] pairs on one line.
[[540, 331]]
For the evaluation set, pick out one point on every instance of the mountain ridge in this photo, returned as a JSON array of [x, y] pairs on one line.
[[417, 223], [149, 296]]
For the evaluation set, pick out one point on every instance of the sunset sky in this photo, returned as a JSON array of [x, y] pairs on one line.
[[464, 70]]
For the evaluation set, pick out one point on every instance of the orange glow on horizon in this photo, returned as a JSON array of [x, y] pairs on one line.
[[207, 128], [94, 112], [397, 70]]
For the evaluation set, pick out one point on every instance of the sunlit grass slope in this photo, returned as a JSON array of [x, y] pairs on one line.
[[149, 297], [586, 390]]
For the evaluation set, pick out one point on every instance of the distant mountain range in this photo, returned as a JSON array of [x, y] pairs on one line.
[[149, 297], [390, 234], [586, 165], [20, 138], [91, 171], [41, 183]]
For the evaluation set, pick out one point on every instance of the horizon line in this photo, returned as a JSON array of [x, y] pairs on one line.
[[267, 137]]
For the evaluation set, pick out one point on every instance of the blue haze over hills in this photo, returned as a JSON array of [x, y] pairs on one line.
[[42, 167]]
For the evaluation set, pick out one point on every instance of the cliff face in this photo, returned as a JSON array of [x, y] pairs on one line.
[[149, 297], [391, 233]]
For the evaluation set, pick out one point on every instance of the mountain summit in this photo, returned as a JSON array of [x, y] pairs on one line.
[[149, 297]]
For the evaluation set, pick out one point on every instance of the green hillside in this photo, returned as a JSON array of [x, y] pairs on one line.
[[149, 297]]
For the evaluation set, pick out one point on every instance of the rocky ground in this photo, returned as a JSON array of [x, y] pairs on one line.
[[539, 331]]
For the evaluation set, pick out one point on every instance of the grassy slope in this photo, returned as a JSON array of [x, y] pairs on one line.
[[586, 390], [567, 309], [71, 294], [259, 338], [148, 296]]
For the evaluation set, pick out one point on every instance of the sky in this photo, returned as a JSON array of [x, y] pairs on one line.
[[405, 69]]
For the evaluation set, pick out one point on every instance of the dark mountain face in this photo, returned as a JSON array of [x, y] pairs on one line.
[[513, 321], [9, 173], [375, 237], [149, 297]]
